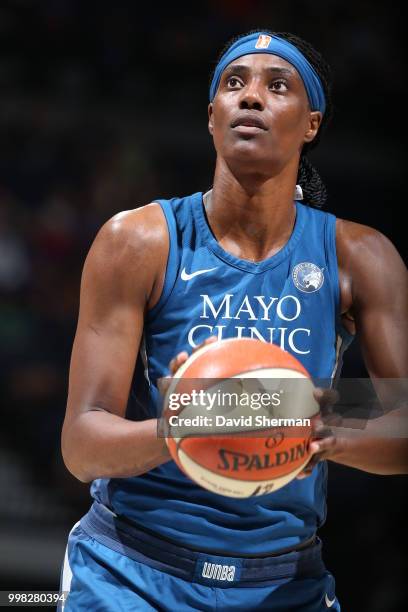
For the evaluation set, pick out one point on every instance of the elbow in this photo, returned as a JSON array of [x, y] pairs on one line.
[[78, 473], [75, 468], [72, 458]]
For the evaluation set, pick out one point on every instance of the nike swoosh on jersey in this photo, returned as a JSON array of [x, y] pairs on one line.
[[185, 276], [329, 602]]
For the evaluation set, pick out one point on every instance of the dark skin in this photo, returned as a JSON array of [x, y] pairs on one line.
[[251, 212]]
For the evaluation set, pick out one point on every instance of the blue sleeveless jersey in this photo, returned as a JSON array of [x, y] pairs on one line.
[[290, 299]]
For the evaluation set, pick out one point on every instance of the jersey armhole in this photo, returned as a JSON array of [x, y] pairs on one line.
[[343, 336], [331, 260], [172, 259]]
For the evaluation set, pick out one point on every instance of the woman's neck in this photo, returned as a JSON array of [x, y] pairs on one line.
[[254, 225]]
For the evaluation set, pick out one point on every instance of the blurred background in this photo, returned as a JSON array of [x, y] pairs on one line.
[[103, 107]]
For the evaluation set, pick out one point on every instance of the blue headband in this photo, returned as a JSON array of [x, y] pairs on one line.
[[265, 43]]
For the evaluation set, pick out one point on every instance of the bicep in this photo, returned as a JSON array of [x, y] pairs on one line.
[[102, 362]]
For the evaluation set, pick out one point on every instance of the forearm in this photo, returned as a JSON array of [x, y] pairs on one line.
[[376, 455], [97, 444]]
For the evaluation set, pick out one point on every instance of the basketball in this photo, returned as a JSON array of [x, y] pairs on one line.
[[240, 448]]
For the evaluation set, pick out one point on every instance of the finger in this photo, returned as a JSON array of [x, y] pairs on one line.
[[302, 475], [326, 398], [315, 447], [324, 446], [306, 472], [320, 432], [308, 469], [333, 419], [326, 394], [182, 357], [317, 422], [177, 361], [320, 429], [319, 450], [209, 340]]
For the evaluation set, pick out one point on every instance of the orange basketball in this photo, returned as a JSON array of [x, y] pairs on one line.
[[239, 416]]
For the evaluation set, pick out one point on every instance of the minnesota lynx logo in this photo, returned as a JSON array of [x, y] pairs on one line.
[[215, 571], [307, 277]]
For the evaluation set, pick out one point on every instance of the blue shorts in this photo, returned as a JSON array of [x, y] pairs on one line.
[[110, 567]]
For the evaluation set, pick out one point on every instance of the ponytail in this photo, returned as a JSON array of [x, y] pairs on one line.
[[314, 190]]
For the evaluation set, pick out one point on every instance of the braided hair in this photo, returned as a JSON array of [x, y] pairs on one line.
[[314, 190]]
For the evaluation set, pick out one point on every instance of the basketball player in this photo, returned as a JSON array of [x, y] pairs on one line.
[[246, 259]]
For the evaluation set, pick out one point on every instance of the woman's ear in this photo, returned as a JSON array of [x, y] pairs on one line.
[[210, 118], [313, 127]]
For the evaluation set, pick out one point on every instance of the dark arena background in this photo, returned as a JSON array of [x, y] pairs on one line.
[[103, 107]]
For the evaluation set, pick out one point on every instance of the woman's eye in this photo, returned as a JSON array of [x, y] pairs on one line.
[[279, 85], [233, 82]]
